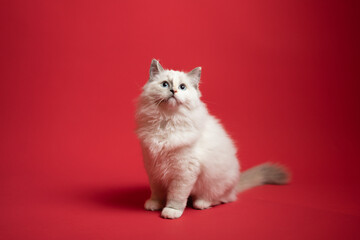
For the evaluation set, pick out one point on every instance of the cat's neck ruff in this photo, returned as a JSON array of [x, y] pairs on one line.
[[163, 112], [162, 129]]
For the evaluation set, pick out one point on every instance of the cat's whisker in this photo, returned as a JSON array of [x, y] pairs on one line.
[[210, 102], [158, 102]]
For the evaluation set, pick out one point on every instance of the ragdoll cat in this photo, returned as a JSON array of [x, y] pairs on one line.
[[186, 150]]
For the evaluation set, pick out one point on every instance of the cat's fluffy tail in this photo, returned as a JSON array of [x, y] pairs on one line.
[[267, 173]]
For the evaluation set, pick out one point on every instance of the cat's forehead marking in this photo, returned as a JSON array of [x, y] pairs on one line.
[[170, 77], [174, 76]]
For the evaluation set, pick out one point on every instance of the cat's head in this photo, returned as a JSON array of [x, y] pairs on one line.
[[171, 89]]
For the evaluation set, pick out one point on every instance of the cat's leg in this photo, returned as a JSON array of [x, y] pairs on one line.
[[177, 196], [158, 195]]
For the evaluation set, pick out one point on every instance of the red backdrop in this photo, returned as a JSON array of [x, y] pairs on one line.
[[281, 75]]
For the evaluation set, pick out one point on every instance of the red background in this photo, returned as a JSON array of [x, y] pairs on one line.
[[281, 75]]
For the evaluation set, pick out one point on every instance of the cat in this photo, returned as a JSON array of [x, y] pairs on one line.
[[186, 151]]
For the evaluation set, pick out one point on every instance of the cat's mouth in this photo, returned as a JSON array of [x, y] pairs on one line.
[[172, 101], [172, 97]]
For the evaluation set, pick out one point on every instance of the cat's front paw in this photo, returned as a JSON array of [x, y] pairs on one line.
[[171, 213], [153, 205]]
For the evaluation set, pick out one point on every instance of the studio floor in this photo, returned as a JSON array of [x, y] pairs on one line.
[[114, 211]]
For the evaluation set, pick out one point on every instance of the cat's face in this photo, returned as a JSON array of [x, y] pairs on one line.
[[171, 89]]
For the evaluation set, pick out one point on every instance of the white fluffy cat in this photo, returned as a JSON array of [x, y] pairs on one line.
[[186, 150]]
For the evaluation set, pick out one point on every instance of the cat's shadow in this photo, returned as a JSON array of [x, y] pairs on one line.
[[125, 198]]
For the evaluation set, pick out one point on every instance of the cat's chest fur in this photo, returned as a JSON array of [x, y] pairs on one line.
[[168, 134], [168, 144], [160, 132]]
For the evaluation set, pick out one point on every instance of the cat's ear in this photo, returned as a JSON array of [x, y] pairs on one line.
[[195, 75], [155, 68]]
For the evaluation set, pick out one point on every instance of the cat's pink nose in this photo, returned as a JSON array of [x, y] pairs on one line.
[[173, 91]]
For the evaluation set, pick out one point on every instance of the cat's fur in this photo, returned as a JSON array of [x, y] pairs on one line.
[[186, 150]]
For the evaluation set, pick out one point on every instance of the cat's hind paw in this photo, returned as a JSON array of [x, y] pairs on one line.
[[201, 204], [171, 213]]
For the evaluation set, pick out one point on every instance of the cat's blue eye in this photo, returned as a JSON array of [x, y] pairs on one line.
[[182, 86], [165, 84]]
